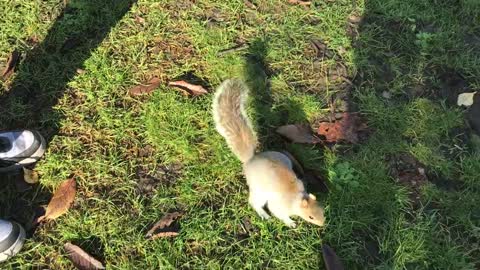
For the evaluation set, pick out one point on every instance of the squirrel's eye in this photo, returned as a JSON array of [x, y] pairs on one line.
[[310, 217]]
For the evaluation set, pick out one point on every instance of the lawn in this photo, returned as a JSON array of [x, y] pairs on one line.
[[406, 196]]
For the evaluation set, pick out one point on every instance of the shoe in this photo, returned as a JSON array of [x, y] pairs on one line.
[[12, 237], [19, 148]]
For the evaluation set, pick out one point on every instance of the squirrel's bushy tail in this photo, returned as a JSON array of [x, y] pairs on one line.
[[231, 119]]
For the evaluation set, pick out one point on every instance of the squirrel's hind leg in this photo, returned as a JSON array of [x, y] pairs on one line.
[[258, 202]]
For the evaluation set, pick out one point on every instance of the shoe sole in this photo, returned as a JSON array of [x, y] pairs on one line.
[[16, 247], [29, 160]]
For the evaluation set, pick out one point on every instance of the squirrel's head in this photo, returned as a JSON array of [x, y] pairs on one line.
[[311, 211]]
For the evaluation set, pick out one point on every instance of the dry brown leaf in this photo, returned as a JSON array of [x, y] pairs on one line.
[[249, 4], [11, 63], [81, 259], [346, 129], [164, 234], [300, 2], [165, 221], [298, 134], [354, 18], [193, 89], [139, 20], [61, 200], [331, 260], [145, 89], [321, 49], [30, 176]]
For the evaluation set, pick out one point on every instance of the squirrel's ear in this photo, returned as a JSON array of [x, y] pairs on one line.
[[304, 203], [312, 196]]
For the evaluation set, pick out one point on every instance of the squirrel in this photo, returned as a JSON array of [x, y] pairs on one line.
[[270, 176]]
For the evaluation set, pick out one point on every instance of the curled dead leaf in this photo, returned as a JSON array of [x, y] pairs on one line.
[[354, 18], [330, 258], [11, 64], [163, 235], [249, 4], [298, 134], [30, 176], [61, 200], [193, 89], [163, 223], [81, 259], [321, 49], [300, 2], [145, 89]]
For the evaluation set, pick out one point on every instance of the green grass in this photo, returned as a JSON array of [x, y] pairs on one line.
[[103, 136]]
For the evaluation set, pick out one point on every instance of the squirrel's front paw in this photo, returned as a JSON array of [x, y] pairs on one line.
[[264, 216], [291, 224]]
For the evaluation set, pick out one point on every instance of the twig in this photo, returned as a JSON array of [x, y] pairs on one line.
[[233, 49]]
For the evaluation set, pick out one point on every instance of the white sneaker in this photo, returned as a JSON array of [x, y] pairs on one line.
[[19, 148], [12, 237]]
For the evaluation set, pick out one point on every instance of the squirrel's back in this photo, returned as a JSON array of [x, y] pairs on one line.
[[231, 119]]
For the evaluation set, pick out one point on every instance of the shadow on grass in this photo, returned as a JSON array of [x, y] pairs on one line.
[[257, 74], [41, 80], [414, 58]]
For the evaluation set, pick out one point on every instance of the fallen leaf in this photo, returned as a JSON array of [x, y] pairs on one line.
[[321, 49], [163, 235], [145, 89], [61, 200], [164, 222], [354, 19], [81, 259], [465, 99], [139, 20], [299, 2], [346, 129], [11, 63], [193, 89], [30, 176], [331, 260], [298, 134], [249, 4]]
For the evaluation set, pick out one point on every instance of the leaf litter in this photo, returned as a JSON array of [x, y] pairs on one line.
[[81, 259], [30, 176], [163, 227], [12, 62], [298, 133], [61, 201], [192, 89], [330, 259], [147, 88]]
